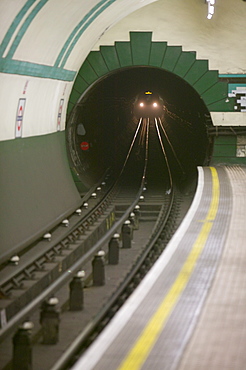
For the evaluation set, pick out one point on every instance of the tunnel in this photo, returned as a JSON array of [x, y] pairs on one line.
[[102, 124], [67, 90]]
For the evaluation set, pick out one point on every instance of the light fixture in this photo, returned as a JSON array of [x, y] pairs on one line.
[[211, 4], [65, 223], [100, 253], [27, 325], [80, 274], [14, 260], [78, 212], [53, 301], [47, 237]]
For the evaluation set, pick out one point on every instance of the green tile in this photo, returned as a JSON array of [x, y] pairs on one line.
[[209, 79], [110, 57], [88, 72], [215, 93], [157, 53], [74, 97], [225, 140], [98, 63], [224, 151], [69, 107], [197, 70], [123, 50], [171, 57], [80, 84], [184, 63], [140, 47], [222, 106]]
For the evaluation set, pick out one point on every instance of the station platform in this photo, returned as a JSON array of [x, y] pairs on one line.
[[189, 311]]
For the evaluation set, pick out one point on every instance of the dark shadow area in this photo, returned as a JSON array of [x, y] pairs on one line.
[[102, 124]]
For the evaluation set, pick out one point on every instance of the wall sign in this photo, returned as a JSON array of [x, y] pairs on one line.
[[59, 115], [241, 146], [84, 145], [239, 93], [19, 117]]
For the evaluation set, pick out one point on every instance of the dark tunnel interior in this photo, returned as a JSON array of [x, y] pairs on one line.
[[102, 124]]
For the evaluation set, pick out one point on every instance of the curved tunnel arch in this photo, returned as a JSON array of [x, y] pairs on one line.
[[142, 51], [104, 119]]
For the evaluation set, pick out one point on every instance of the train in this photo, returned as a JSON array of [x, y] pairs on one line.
[[148, 104]]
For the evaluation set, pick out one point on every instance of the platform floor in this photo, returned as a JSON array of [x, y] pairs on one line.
[[190, 310]]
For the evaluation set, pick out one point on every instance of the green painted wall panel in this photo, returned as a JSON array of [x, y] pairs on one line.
[[171, 57], [184, 63], [37, 189], [215, 93], [225, 140], [69, 107], [222, 106], [140, 47], [209, 79], [157, 53], [196, 71], [228, 160], [98, 63], [80, 84], [110, 56], [74, 97], [123, 50], [88, 73], [224, 150]]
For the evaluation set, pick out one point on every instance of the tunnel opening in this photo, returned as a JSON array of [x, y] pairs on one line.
[[102, 123]]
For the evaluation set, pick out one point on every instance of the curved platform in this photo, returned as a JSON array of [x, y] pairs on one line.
[[189, 311]]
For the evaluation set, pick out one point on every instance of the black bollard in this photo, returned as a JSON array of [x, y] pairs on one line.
[[137, 216], [14, 261], [98, 269], [126, 234], [113, 250], [76, 296], [22, 347], [49, 320]]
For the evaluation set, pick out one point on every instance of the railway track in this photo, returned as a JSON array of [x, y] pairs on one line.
[[46, 269]]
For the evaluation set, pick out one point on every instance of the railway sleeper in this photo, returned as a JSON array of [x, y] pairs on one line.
[[29, 272]]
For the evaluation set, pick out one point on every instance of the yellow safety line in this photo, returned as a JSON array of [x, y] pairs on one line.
[[147, 339]]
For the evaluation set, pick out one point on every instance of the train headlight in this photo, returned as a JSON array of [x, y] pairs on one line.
[[155, 105], [141, 104]]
